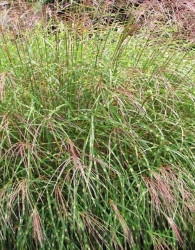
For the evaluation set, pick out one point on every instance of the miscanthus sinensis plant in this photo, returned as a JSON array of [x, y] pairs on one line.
[[96, 139]]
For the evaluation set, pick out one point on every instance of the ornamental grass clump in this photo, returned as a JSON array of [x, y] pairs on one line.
[[97, 138]]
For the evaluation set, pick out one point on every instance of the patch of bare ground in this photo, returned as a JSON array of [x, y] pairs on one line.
[[18, 16], [179, 14], [23, 15]]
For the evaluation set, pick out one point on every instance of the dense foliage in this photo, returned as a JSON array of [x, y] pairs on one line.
[[97, 138]]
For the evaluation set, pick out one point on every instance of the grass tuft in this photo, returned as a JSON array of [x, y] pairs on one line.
[[97, 138]]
